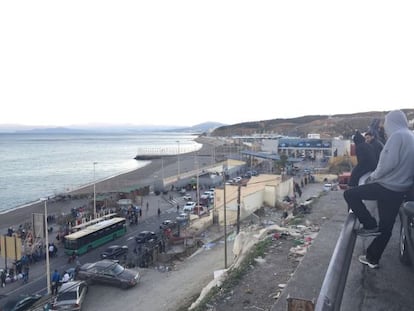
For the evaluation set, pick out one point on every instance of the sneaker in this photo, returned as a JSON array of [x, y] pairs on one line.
[[363, 259], [368, 232]]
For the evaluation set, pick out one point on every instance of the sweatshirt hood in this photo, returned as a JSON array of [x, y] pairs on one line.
[[395, 120]]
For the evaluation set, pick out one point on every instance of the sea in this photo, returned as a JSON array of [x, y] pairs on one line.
[[37, 165]]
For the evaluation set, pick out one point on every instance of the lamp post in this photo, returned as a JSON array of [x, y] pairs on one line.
[[162, 166], [224, 216], [47, 250], [94, 191], [197, 183], [178, 159]]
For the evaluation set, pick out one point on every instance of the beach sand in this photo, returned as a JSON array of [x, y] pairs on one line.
[[132, 180]]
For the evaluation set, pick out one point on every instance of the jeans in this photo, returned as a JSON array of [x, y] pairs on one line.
[[388, 203]]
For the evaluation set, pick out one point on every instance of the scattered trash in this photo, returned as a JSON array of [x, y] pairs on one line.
[[260, 260]]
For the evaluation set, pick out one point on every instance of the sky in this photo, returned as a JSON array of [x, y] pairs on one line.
[[183, 63]]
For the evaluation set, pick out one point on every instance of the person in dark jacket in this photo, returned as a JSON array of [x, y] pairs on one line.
[[366, 160], [387, 185], [372, 140]]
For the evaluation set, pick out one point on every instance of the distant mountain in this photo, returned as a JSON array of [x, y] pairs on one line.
[[206, 127]]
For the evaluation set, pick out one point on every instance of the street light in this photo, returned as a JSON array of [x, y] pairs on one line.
[[197, 183], [224, 214], [178, 159], [162, 166], [94, 191], [47, 249]]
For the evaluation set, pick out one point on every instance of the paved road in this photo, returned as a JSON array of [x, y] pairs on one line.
[[37, 275], [160, 290]]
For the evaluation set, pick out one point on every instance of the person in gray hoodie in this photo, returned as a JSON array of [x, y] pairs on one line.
[[388, 184]]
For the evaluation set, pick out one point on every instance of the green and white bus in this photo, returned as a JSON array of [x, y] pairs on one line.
[[95, 235], [92, 222]]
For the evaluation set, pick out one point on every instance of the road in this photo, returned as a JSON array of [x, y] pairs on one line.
[[37, 275], [163, 291]]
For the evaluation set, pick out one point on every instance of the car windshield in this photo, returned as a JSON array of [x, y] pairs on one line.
[[117, 269], [66, 295]]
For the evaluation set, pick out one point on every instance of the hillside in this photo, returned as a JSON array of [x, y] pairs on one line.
[[326, 125]]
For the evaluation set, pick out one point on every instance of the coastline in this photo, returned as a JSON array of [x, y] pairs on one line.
[[137, 178]]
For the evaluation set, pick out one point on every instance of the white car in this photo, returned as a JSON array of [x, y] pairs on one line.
[[187, 197], [189, 206], [70, 296], [183, 217], [327, 187], [207, 195]]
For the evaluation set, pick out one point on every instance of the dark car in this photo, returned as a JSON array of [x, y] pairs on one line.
[[168, 224], [114, 251], [21, 303], [145, 237], [407, 233], [108, 272]]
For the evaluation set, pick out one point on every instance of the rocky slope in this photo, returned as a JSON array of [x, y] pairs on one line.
[[326, 125]]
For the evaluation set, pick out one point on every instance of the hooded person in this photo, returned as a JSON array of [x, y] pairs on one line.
[[366, 160], [387, 184]]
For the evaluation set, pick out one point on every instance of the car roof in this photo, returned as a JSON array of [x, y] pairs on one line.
[[101, 263], [145, 232], [69, 286], [12, 302], [113, 246]]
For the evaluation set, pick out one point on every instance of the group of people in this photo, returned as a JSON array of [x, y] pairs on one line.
[[57, 280], [388, 171], [15, 274]]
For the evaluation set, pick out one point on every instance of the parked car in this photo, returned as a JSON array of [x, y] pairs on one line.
[[21, 303], [189, 206], [146, 236], [108, 272], [183, 217], [200, 210], [406, 213], [70, 296], [114, 251], [207, 195], [168, 224]]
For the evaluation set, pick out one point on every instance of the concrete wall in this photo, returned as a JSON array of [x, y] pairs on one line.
[[265, 189]]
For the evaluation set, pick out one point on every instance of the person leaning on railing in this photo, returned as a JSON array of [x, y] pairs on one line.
[[387, 185]]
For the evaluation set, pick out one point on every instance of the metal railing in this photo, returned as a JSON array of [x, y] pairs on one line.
[[330, 295]]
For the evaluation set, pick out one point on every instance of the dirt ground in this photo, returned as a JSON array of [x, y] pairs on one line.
[[258, 285], [175, 290]]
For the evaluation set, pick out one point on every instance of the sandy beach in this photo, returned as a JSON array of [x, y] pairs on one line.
[[131, 180]]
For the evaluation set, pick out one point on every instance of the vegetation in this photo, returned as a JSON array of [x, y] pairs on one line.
[[234, 275], [328, 126]]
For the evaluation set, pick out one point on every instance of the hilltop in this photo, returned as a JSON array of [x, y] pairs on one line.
[[327, 126]]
